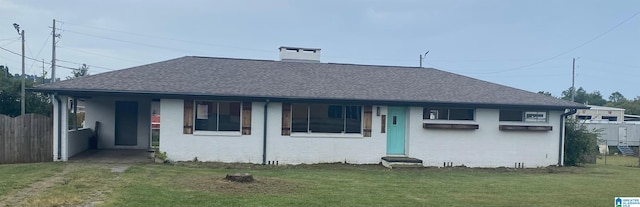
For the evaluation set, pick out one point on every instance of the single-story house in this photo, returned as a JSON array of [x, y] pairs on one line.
[[299, 110]]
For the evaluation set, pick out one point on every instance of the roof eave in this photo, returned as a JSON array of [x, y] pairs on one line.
[[84, 92]]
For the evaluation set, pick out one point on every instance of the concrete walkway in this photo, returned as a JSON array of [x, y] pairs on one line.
[[113, 156]]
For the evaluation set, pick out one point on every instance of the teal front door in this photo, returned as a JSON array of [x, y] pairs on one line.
[[395, 130]]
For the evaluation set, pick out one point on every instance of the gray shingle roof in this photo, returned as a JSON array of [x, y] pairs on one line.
[[295, 80]]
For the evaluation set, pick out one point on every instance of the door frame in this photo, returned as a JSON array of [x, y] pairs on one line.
[[404, 129]]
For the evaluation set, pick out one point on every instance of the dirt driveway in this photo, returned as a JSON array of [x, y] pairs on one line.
[[85, 180]]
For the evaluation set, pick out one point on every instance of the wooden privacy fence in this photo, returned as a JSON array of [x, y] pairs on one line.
[[26, 138]]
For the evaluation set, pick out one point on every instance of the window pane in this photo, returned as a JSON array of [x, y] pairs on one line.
[[353, 119], [299, 117], [229, 116], [435, 113], [461, 114], [326, 118], [206, 116], [511, 115]]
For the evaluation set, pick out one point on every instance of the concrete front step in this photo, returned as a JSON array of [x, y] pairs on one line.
[[392, 162]]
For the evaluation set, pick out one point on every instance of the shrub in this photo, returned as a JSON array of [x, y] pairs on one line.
[[580, 143]]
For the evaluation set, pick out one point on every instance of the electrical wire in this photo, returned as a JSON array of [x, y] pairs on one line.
[[10, 42], [169, 38], [91, 66], [131, 42], [40, 61], [7, 39], [97, 54], [338, 57], [570, 50]]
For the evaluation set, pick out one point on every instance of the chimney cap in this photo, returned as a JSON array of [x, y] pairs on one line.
[[299, 54], [298, 48]]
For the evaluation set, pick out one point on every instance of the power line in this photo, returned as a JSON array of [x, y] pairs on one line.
[[40, 61], [131, 42], [91, 66], [572, 49], [11, 42], [169, 38], [97, 54], [15, 38]]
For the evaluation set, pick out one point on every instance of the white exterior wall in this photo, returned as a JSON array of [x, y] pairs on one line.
[[484, 147], [102, 109], [302, 148], [78, 140], [215, 148]]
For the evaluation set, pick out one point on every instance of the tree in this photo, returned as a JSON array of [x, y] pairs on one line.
[[616, 97], [630, 106], [81, 71], [546, 93], [10, 86], [581, 96], [580, 143]]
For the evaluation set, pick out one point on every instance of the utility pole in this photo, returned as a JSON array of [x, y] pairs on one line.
[[573, 81], [422, 58], [22, 100], [53, 53], [43, 73]]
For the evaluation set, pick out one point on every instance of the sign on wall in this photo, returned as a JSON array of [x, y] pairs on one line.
[[535, 116]]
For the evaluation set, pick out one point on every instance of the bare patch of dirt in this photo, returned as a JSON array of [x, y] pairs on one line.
[[261, 185]]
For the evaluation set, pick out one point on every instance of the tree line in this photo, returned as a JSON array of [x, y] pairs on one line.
[[37, 103], [616, 99]]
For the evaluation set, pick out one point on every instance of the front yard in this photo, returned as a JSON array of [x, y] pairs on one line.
[[202, 184]]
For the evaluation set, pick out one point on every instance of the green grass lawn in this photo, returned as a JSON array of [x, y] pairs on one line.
[[18, 176], [202, 184]]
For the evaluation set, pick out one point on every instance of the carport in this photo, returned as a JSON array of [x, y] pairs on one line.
[[115, 125]]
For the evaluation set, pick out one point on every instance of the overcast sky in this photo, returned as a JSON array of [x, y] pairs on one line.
[[522, 44]]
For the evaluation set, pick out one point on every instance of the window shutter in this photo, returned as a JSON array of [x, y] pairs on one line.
[[246, 118], [286, 119], [367, 121], [188, 117]]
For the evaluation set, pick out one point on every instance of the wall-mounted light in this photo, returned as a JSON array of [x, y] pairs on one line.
[[377, 111]]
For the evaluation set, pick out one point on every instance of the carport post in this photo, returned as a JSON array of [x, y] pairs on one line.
[[75, 113]]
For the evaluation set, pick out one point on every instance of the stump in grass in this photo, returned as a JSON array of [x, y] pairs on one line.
[[240, 177]]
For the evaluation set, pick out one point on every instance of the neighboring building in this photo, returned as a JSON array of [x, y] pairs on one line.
[[155, 115], [597, 113], [299, 110], [155, 122], [615, 127]]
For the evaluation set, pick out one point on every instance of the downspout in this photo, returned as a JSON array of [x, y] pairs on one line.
[[59, 115], [264, 135], [560, 140]]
